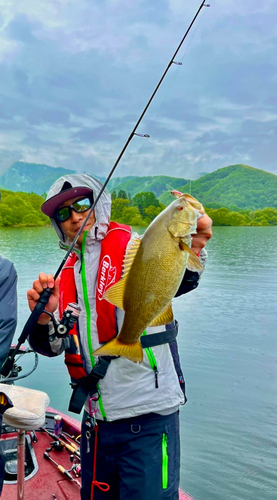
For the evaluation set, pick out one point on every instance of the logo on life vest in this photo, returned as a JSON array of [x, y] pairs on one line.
[[107, 276]]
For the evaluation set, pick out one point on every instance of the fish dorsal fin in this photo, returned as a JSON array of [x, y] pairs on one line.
[[193, 263], [115, 293], [165, 317], [130, 254]]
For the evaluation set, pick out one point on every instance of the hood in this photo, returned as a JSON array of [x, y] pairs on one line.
[[102, 208]]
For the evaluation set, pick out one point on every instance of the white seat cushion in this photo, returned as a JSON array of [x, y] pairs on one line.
[[28, 412]]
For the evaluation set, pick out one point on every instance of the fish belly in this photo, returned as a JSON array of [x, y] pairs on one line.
[[151, 285]]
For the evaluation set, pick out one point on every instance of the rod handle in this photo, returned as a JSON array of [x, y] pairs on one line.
[[30, 323], [35, 314]]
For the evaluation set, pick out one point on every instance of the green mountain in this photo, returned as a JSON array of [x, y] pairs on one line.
[[37, 178], [235, 187], [157, 184], [31, 177]]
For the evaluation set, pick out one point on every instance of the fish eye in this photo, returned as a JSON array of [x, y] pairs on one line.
[[180, 208]]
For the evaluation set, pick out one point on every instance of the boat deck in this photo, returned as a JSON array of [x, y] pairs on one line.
[[46, 481]]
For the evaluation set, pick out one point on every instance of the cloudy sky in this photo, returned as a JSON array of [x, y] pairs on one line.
[[76, 75]]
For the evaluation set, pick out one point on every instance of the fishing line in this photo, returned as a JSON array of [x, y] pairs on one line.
[[172, 82], [43, 300]]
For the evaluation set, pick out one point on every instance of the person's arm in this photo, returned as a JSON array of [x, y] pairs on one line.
[[191, 279], [8, 306], [39, 341], [40, 335]]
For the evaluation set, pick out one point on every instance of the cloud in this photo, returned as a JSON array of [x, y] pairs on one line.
[[75, 77]]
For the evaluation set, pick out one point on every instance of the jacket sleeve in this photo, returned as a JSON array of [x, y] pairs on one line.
[[8, 306], [191, 279], [40, 340]]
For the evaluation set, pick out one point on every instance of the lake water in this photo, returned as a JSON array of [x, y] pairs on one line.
[[228, 348]]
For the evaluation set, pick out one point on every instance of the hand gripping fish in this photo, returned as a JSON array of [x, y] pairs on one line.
[[152, 272]]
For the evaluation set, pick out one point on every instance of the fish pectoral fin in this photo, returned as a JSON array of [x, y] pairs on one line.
[[164, 318], [131, 351], [115, 293], [193, 263]]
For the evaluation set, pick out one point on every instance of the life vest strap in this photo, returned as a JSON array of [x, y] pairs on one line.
[[88, 385], [159, 338]]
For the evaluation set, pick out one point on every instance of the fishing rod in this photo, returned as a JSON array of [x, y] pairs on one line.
[[72, 448], [61, 469], [43, 300]]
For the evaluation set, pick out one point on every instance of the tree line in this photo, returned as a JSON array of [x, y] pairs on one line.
[[23, 209], [144, 207], [225, 217]]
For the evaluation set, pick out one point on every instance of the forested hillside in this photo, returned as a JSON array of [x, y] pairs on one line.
[[157, 184], [21, 209], [31, 177], [236, 187], [144, 207], [234, 195]]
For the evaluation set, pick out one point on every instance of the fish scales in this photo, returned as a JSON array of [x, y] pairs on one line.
[[150, 283], [153, 277]]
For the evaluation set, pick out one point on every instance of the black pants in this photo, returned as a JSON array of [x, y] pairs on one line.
[[138, 457]]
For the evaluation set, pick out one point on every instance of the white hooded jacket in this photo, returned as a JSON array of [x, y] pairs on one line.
[[128, 389]]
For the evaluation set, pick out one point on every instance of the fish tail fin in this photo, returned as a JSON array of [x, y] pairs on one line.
[[131, 351]]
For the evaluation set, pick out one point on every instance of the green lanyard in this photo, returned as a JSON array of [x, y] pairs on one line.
[[88, 315]]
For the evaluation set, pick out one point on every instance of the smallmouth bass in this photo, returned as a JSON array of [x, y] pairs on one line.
[[153, 269]]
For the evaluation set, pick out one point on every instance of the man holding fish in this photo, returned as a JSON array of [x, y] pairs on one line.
[[124, 285]]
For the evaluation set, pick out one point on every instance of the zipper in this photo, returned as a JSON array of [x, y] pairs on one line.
[[164, 462], [88, 315], [153, 362]]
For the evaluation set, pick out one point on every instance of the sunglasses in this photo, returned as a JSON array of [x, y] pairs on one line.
[[79, 206]]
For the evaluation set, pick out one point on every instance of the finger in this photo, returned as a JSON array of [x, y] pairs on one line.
[[43, 280], [32, 298], [50, 281], [33, 295], [204, 223], [37, 287], [46, 280]]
